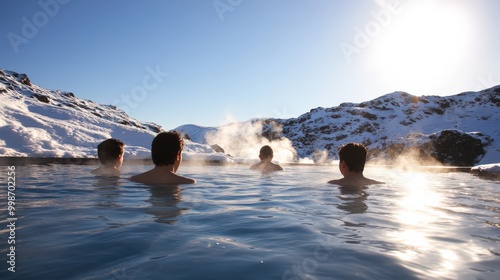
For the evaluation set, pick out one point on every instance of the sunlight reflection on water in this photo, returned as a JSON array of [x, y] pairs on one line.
[[237, 224], [424, 215]]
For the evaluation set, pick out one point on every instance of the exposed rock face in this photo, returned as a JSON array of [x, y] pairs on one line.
[[42, 98], [24, 79], [217, 148], [454, 147], [450, 147]]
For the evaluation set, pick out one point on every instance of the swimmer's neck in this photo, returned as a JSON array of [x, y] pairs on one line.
[[266, 159], [110, 166], [171, 168], [354, 175]]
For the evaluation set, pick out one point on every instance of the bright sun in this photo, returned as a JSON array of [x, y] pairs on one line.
[[423, 46]]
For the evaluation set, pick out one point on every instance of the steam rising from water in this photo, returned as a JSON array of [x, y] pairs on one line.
[[408, 160], [244, 140]]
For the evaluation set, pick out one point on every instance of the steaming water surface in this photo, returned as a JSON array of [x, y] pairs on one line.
[[238, 224]]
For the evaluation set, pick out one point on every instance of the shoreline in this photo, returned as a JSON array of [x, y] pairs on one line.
[[6, 161], [23, 161]]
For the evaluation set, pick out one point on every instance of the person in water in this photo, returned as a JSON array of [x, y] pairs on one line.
[[352, 159], [110, 154], [265, 164], [166, 152]]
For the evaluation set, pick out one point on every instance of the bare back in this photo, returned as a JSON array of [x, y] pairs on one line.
[[159, 175]]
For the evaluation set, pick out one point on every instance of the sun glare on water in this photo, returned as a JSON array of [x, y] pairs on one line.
[[422, 215], [423, 45]]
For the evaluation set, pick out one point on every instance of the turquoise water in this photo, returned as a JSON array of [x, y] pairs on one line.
[[238, 224]]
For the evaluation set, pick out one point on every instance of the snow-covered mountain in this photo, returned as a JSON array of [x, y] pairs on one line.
[[37, 122], [465, 124]]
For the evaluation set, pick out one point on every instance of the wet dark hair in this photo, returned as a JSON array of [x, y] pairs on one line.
[[266, 151], [165, 147], [109, 150], [354, 156]]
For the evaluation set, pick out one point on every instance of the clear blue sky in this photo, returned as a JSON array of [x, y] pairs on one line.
[[209, 62]]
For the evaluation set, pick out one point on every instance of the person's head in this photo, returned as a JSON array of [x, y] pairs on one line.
[[353, 155], [266, 152], [110, 152], [166, 148]]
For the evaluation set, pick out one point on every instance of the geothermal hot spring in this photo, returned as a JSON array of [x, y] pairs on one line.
[[239, 224]]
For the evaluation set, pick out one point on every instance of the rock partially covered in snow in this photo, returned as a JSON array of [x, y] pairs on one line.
[[449, 147], [487, 170], [454, 147]]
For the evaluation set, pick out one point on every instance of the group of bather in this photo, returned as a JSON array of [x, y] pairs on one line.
[[166, 153]]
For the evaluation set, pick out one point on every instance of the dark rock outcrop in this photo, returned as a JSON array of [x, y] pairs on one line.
[[217, 148], [448, 147], [41, 97], [453, 147], [24, 79]]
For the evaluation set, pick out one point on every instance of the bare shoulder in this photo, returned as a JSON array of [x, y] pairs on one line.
[[102, 171], [373, 182], [144, 177], [137, 178], [278, 167], [358, 182], [266, 167], [152, 178], [336, 181], [256, 166], [185, 180]]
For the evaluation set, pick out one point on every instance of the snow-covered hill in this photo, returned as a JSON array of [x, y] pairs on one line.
[[37, 122], [392, 120]]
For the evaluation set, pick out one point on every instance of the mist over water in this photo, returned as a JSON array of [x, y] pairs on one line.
[[409, 160], [244, 140]]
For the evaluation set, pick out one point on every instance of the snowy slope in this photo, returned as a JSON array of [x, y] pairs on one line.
[[378, 123], [37, 122]]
